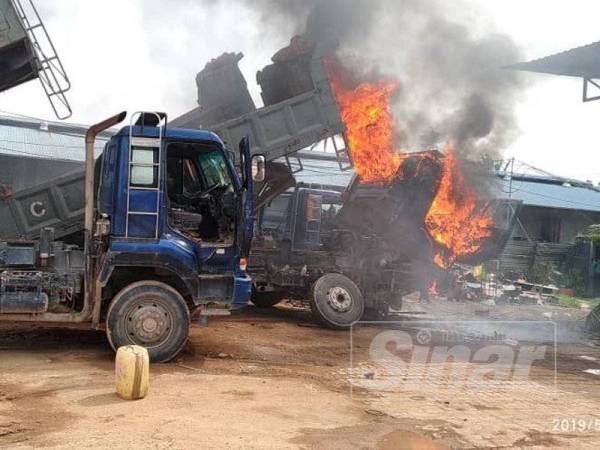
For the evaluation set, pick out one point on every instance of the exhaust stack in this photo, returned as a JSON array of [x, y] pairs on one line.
[[90, 138]]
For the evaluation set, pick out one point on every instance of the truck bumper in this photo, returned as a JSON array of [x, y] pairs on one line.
[[242, 289]]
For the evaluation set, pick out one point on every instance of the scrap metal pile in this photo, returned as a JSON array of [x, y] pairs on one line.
[[479, 285]]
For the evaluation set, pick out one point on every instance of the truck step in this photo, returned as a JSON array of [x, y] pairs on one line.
[[215, 312]]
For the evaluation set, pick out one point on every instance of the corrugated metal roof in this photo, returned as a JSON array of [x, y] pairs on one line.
[[22, 137], [551, 195], [581, 62], [45, 140], [546, 192]]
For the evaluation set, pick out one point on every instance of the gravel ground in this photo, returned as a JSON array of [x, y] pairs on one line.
[[273, 379]]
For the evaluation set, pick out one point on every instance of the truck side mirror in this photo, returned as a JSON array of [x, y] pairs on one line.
[[258, 168]]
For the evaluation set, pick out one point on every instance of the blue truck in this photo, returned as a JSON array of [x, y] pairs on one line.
[[168, 223]]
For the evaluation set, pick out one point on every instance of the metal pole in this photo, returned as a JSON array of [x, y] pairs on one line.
[[512, 165]]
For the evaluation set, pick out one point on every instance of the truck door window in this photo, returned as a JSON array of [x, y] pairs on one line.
[[214, 169], [191, 182], [313, 218], [144, 167], [202, 200], [313, 211], [275, 214], [182, 179], [330, 207], [329, 210]]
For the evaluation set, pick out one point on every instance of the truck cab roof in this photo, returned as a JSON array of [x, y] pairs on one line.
[[173, 133]]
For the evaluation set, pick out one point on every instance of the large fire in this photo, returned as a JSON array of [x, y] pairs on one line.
[[454, 219], [367, 115]]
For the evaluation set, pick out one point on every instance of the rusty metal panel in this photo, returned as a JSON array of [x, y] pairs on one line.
[[286, 127]]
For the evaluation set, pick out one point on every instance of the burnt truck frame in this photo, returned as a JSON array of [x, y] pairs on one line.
[[357, 250], [299, 253]]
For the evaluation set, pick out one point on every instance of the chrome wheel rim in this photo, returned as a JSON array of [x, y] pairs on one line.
[[339, 299]]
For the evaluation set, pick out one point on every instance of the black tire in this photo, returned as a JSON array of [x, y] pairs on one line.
[[266, 299], [150, 314], [336, 301], [592, 321]]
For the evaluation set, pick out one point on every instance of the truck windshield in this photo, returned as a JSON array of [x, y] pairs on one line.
[[214, 169]]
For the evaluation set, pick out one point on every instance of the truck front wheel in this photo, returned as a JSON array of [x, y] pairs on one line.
[[336, 301], [150, 314]]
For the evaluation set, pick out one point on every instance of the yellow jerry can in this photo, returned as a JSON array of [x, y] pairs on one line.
[[132, 370]]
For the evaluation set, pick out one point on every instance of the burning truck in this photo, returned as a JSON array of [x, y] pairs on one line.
[[361, 249], [403, 221], [400, 224]]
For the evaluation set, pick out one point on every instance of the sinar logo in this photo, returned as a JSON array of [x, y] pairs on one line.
[[37, 209]]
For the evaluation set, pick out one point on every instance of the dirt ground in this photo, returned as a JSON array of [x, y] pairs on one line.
[[273, 379]]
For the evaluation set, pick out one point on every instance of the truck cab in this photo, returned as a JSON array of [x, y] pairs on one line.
[[168, 226], [301, 251], [174, 199], [304, 217]]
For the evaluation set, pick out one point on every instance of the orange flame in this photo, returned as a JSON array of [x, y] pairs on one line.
[[454, 220], [366, 113], [433, 288]]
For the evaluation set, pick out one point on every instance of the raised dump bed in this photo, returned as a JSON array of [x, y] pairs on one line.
[[280, 129]]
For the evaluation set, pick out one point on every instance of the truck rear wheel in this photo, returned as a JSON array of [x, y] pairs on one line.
[[336, 301], [150, 314]]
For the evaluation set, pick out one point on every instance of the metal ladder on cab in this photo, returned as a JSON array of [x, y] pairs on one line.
[[145, 143]]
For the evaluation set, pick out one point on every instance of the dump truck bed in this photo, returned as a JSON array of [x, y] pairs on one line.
[[283, 128], [58, 204]]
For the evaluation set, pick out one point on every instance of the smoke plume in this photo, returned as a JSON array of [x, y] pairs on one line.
[[446, 56]]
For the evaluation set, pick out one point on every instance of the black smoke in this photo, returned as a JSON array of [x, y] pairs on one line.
[[447, 57]]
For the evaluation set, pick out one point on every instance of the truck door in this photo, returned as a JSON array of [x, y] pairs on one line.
[[200, 193], [246, 227], [307, 227], [331, 203]]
